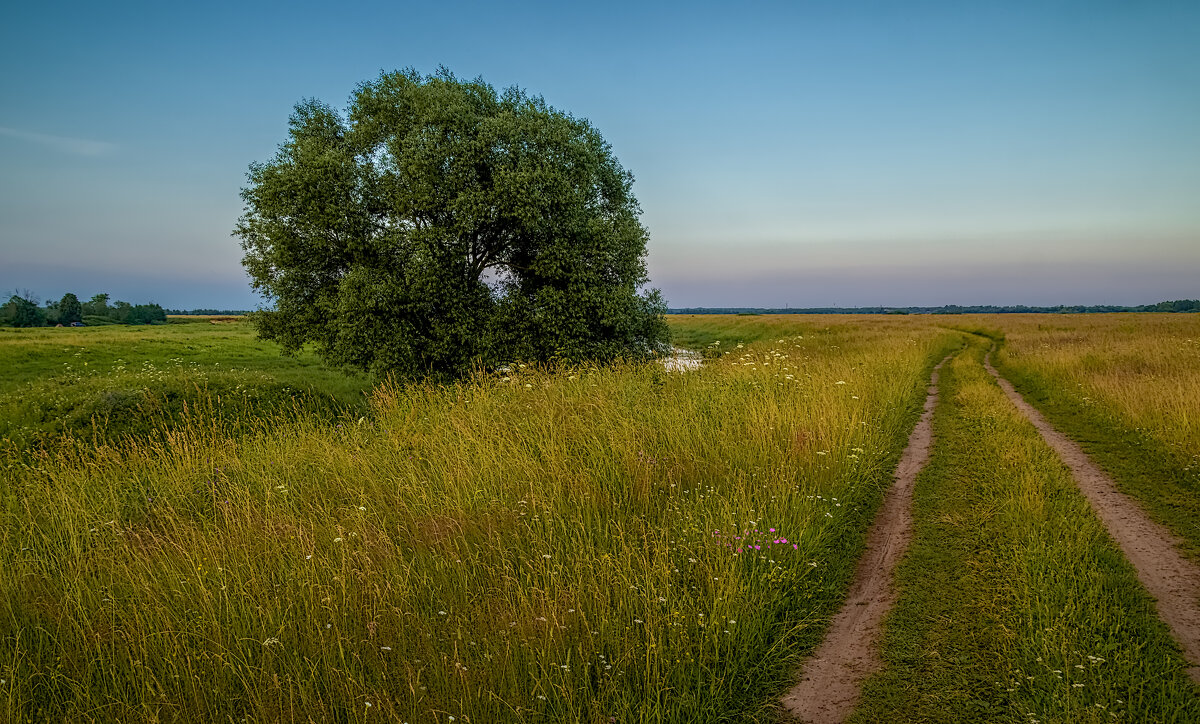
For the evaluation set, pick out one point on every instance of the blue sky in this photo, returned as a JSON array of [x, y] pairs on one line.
[[803, 154]]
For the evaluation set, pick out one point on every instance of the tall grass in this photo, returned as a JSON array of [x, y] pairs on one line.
[[1142, 368], [592, 545]]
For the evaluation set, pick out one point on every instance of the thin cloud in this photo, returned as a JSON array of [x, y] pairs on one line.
[[62, 144]]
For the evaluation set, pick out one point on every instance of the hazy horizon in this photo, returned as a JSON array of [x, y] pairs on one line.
[[836, 154]]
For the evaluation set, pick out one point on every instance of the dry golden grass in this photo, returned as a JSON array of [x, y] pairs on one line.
[[1143, 368]]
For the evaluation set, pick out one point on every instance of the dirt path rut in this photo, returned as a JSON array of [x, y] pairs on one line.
[[1173, 580], [832, 679]]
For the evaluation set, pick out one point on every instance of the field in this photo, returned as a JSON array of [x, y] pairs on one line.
[[195, 528], [1127, 386], [115, 381]]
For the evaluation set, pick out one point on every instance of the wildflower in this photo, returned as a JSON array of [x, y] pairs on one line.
[[368, 703], [441, 613]]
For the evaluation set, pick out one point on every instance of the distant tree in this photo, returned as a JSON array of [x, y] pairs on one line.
[[97, 306], [147, 314], [50, 313], [21, 311], [121, 312], [440, 225], [69, 309]]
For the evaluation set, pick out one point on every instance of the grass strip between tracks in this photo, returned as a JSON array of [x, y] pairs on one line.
[[1015, 605]]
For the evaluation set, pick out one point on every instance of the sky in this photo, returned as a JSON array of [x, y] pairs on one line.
[[785, 154]]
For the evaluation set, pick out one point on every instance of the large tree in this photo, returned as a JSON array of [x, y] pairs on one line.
[[438, 225]]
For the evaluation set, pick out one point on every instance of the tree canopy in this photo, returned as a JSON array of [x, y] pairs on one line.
[[438, 224]]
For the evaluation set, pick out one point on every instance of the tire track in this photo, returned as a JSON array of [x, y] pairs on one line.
[[831, 681], [1173, 580]]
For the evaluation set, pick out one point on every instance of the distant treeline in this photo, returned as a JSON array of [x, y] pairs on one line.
[[209, 312], [1179, 305], [22, 310]]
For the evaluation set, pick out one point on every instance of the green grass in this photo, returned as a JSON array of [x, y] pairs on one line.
[[105, 383], [193, 527], [1015, 605], [533, 549]]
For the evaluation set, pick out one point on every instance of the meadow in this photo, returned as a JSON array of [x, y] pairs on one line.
[[1127, 387], [257, 538], [111, 382]]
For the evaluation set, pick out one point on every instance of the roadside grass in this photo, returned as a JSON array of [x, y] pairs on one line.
[[569, 546], [1127, 389], [1015, 605], [102, 384], [718, 334]]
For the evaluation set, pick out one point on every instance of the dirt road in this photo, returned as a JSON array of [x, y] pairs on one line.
[[832, 680], [1172, 579]]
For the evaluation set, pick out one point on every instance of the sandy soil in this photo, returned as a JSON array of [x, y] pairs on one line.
[[1172, 579], [832, 679]]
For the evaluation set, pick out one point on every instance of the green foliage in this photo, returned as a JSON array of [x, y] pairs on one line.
[[97, 306], [69, 309], [22, 312], [440, 225]]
